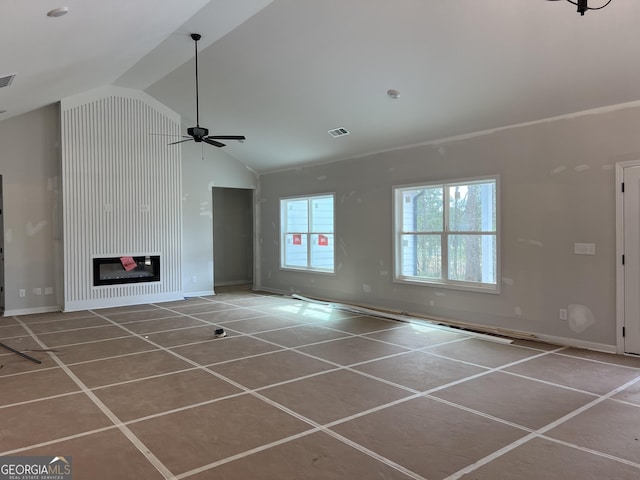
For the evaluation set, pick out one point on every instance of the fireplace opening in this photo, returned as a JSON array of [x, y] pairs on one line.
[[126, 269]]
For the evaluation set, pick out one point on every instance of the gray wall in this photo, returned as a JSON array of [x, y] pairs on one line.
[[557, 188], [30, 166], [204, 167]]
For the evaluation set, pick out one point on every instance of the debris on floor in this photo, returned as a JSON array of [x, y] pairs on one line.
[[17, 352]]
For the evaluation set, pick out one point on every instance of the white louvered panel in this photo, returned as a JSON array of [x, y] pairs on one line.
[[112, 170]]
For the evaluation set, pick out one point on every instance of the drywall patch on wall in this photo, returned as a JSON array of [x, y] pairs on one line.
[[347, 196], [321, 178], [366, 288], [580, 317], [518, 311], [34, 229], [343, 247], [558, 170], [204, 211], [508, 281], [582, 168], [8, 235], [529, 241]]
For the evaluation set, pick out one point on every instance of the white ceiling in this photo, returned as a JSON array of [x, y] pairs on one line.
[[284, 72]]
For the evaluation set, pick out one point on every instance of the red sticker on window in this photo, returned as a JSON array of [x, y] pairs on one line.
[[297, 239], [323, 240]]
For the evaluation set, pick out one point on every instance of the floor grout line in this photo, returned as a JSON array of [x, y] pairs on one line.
[[9, 375], [155, 461], [141, 379], [506, 449], [591, 451], [57, 440], [209, 466], [39, 399], [551, 384], [594, 360]]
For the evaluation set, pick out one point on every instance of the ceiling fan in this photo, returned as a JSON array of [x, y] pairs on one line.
[[198, 133]]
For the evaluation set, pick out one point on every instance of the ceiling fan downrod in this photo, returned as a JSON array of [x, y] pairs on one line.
[[196, 37]]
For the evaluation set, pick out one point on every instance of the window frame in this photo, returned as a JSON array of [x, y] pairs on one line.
[[444, 281], [309, 233]]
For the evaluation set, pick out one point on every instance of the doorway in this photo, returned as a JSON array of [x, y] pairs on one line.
[[628, 257], [232, 236]]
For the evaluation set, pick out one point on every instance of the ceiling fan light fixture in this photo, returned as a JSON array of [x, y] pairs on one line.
[[583, 5], [58, 12]]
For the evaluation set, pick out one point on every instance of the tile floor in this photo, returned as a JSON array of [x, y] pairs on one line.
[[300, 391]]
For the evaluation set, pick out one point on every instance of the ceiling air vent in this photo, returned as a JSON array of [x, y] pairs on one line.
[[338, 132], [6, 80]]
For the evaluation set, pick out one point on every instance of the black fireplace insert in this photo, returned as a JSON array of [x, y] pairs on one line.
[[126, 269]]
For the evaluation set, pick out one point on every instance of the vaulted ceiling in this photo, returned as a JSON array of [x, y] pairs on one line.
[[284, 72]]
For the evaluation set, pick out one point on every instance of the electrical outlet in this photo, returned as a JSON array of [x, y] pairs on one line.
[[48, 290], [37, 291], [563, 314], [22, 292], [194, 279]]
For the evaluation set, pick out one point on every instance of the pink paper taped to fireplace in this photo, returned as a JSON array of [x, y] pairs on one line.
[[128, 263]]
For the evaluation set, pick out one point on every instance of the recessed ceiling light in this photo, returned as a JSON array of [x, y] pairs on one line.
[[393, 94], [58, 12]]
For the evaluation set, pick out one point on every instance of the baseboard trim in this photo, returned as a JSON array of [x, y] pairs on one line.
[[122, 301], [31, 311], [230, 283], [490, 329], [574, 342], [204, 293]]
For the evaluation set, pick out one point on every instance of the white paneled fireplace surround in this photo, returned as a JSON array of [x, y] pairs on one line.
[[121, 198]]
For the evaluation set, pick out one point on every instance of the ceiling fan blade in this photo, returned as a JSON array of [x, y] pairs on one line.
[[210, 141], [181, 141], [169, 135], [228, 137]]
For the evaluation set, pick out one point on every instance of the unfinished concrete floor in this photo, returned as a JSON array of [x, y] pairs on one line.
[[300, 391]]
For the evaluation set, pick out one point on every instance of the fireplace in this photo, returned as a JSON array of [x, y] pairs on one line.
[[126, 269]]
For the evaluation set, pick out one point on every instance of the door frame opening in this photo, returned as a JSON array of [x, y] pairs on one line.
[[620, 251]]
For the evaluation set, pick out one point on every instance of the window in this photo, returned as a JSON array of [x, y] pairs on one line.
[[447, 234], [307, 236]]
